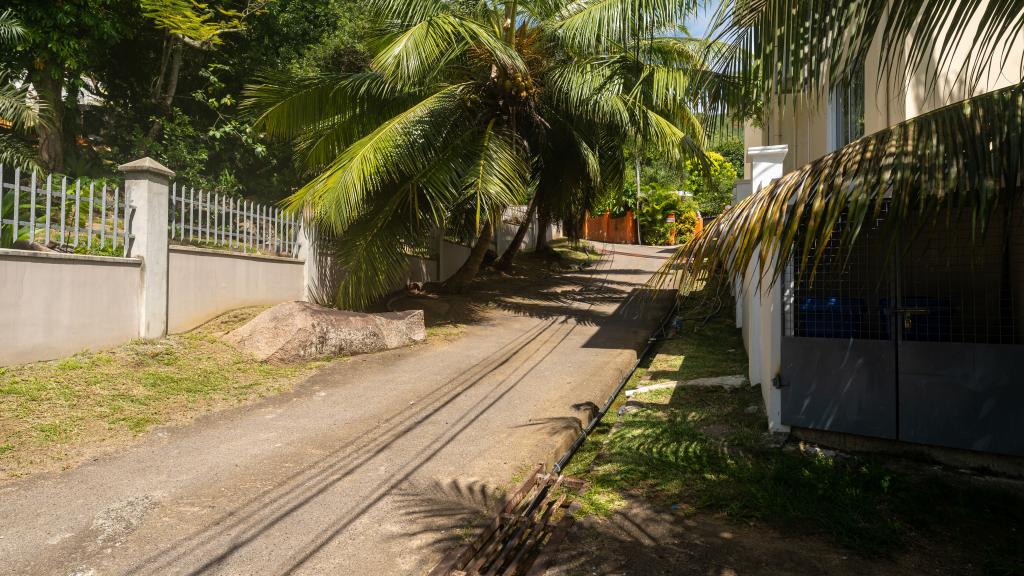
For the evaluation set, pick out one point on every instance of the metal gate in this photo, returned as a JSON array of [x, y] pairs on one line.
[[916, 339]]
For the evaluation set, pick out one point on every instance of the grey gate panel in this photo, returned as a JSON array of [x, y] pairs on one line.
[[961, 362], [963, 396], [840, 385], [838, 369]]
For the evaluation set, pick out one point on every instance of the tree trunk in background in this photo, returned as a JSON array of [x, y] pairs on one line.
[[48, 84], [166, 85], [505, 262], [469, 269], [543, 223]]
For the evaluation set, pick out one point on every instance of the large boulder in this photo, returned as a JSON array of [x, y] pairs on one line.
[[300, 331]]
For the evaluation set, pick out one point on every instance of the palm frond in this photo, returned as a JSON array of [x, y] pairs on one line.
[[422, 50], [593, 25], [10, 29], [793, 45], [288, 107], [15, 107], [14, 153], [387, 157], [498, 178], [922, 167]]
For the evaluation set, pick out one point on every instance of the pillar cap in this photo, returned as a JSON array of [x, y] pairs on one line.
[[149, 165], [768, 153]]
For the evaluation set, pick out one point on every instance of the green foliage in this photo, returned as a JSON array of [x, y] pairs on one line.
[[66, 37], [656, 204], [456, 117], [189, 19], [733, 150], [711, 188]]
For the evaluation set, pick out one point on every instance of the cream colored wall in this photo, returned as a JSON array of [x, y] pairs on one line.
[[203, 284], [803, 125], [55, 305]]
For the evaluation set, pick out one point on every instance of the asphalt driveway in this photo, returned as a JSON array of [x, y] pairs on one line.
[[375, 466]]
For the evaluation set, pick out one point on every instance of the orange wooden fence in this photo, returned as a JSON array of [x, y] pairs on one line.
[[604, 228]]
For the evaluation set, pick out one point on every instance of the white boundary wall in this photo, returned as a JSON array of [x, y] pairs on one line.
[[56, 305], [203, 284]]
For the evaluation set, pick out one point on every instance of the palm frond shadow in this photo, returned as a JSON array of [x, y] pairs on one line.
[[448, 513]]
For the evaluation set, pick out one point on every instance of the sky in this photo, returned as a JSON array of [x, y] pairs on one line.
[[698, 26]]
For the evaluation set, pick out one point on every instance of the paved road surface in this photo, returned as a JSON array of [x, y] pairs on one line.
[[372, 467]]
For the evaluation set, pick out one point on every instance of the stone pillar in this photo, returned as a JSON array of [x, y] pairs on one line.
[[146, 186], [764, 305], [310, 256]]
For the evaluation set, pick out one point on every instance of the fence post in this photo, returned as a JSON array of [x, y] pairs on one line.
[[146, 185]]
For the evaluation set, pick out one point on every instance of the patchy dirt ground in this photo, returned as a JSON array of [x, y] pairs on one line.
[[54, 415]]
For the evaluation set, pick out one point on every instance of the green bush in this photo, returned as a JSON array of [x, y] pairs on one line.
[[655, 205], [711, 191]]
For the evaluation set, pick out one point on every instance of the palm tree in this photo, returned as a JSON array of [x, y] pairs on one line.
[[968, 156], [14, 104], [470, 106]]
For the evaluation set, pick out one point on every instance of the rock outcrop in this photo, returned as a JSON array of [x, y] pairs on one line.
[[300, 331]]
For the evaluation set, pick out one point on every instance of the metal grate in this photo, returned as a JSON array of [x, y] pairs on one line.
[[955, 284], [846, 298]]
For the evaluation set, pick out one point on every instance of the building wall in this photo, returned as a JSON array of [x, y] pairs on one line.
[[206, 283], [802, 123], [55, 305]]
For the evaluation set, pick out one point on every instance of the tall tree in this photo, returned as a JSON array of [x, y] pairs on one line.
[[61, 40], [466, 106]]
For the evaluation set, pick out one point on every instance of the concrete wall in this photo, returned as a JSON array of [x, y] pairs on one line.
[[55, 305], [203, 284], [802, 123]]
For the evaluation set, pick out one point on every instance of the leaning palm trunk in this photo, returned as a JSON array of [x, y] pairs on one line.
[[505, 262], [470, 268], [543, 224]]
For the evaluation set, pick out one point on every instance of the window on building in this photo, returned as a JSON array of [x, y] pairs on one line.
[[846, 112]]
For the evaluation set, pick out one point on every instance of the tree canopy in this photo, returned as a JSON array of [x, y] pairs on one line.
[[467, 107]]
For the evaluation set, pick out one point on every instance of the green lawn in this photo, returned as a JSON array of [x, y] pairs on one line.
[[53, 414], [704, 449]]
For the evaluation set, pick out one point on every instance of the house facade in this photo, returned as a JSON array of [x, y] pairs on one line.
[[923, 344]]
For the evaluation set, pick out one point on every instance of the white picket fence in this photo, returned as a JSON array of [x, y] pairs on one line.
[[226, 223], [61, 214]]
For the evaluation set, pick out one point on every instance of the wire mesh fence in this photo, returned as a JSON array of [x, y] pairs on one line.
[[222, 222], [63, 214], [943, 279]]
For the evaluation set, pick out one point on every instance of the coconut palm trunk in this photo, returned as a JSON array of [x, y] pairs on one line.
[[470, 268], [543, 224], [505, 262]]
